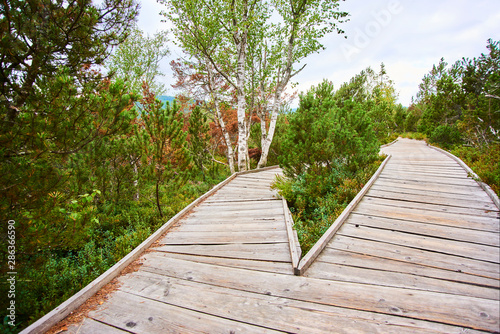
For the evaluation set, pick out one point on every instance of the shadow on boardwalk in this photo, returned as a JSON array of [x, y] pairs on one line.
[[418, 254]]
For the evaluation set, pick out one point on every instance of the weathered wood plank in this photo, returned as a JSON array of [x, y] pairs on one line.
[[473, 192], [421, 204], [199, 226], [352, 258], [267, 266], [292, 242], [89, 325], [476, 313], [416, 256], [237, 213], [431, 197], [234, 220], [150, 316], [433, 217], [433, 230], [347, 273], [235, 201], [451, 247], [277, 252], [220, 237], [464, 182], [271, 312], [240, 206]]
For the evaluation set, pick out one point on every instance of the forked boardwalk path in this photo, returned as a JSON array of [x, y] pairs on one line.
[[418, 254]]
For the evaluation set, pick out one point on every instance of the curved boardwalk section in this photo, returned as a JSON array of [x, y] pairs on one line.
[[418, 254], [422, 244]]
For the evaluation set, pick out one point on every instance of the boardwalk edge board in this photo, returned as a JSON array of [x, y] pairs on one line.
[[313, 253], [389, 144], [476, 178], [293, 242], [64, 309]]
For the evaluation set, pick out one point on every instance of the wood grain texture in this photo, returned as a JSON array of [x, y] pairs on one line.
[[417, 253]]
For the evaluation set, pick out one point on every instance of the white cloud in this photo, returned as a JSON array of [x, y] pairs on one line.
[[409, 40]]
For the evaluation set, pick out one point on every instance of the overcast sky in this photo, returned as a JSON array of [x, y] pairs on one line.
[[408, 36]]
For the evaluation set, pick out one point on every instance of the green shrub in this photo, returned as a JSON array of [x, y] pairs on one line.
[[485, 162], [446, 136], [330, 151]]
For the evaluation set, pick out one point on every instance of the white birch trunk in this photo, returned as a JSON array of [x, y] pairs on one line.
[[241, 111], [220, 119], [280, 87], [267, 139], [136, 181], [227, 139]]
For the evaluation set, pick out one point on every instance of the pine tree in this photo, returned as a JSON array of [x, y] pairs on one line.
[[199, 137], [163, 142]]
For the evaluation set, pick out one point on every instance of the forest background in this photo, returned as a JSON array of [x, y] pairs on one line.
[[93, 163]]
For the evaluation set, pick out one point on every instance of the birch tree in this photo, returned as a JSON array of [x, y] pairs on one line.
[[219, 31], [137, 60], [201, 82], [303, 23]]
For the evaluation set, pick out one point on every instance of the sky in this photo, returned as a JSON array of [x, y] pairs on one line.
[[408, 36]]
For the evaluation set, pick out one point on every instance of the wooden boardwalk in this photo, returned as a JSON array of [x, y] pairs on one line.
[[418, 254]]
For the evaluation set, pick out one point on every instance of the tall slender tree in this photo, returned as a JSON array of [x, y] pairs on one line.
[[163, 142], [137, 60], [298, 34], [220, 32]]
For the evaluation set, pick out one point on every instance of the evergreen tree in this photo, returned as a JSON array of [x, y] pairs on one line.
[[198, 140], [163, 142]]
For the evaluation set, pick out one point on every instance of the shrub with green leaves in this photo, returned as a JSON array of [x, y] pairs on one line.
[[329, 150], [446, 136]]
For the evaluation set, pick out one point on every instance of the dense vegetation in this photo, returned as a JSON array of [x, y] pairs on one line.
[[458, 108], [93, 163], [328, 147]]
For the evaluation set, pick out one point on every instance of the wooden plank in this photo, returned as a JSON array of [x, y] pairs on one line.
[[235, 201], [308, 259], [424, 168], [198, 226], [238, 213], [235, 220], [416, 256], [422, 205], [60, 312], [347, 273], [268, 311], [223, 237], [292, 242], [473, 192], [470, 312], [429, 173], [451, 247], [243, 192], [433, 217], [89, 325], [136, 314], [268, 266], [277, 252], [236, 193], [240, 206], [433, 230], [431, 179], [431, 197], [352, 258], [483, 185]]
